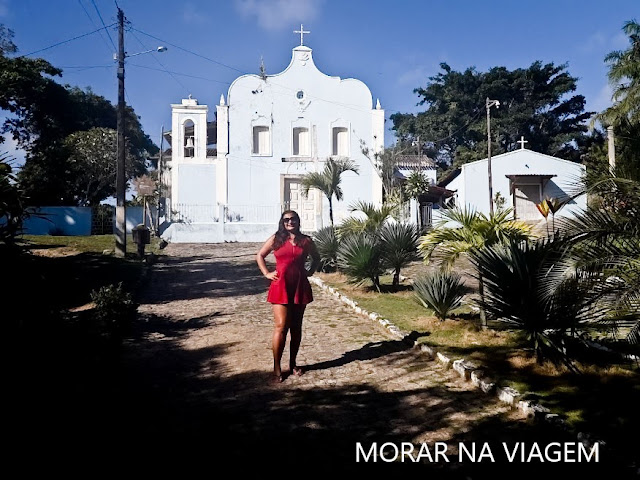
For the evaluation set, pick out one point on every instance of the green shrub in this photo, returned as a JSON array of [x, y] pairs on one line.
[[359, 257], [326, 242], [399, 243], [439, 291], [114, 308]]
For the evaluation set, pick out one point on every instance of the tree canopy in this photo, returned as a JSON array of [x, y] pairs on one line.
[[624, 114], [43, 113], [535, 102]]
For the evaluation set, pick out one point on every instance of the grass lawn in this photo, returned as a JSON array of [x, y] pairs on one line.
[[602, 399], [64, 270]]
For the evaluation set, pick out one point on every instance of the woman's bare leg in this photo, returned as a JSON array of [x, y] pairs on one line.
[[280, 314], [295, 327]]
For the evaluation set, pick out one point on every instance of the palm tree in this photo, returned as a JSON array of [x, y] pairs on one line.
[[328, 181], [606, 245], [471, 231], [399, 242], [624, 75], [535, 288], [373, 221], [416, 185]]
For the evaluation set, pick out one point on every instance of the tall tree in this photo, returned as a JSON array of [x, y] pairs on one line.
[[43, 113], [624, 76], [328, 181], [624, 114], [92, 156], [535, 102]]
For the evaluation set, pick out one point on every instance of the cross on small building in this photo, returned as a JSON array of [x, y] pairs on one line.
[[301, 32], [522, 141]]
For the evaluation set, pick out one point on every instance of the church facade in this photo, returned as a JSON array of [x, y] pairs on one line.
[[522, 178], [270, 131]]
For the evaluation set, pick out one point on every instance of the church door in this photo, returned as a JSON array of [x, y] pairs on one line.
[[525, 199], [305, 206]]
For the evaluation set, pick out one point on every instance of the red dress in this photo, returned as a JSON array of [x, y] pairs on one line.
[[292, 285]]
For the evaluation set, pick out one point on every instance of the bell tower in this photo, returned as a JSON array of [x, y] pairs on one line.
[[189, 131]]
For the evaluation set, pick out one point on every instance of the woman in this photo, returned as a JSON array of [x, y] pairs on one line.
[[290, 291]]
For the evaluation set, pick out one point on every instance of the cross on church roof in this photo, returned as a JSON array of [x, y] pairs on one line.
[[522, 141], [301, 32]]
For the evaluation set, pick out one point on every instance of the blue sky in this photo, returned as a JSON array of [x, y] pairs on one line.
[[393, 46]]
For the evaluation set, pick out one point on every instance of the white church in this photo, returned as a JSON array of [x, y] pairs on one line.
[[523, 178], [269, 131]]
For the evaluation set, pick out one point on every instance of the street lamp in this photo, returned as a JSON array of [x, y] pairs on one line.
[[121, 184], [490, 103]]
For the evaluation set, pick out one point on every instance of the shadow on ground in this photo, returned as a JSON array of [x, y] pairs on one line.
[[148, 406]]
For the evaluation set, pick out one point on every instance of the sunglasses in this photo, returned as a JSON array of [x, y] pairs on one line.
[[289, 220]]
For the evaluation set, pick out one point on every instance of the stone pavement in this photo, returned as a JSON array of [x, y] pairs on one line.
[[196, 378]]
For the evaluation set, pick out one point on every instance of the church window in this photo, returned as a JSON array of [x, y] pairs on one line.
[[189, 139], [340, 141], [301, 142], [261, 140]]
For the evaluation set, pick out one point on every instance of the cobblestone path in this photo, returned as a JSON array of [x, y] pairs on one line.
[[198, 371]]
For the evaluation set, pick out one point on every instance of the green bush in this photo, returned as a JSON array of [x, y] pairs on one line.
[[114, 308], [399, 243], [440, 291], [359, 257], [327, 243]]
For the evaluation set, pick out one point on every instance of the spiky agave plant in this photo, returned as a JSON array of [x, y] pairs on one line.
[[462, 231], [516, 291], [399, 243], [359, 257], [441, 291], [327, 244]]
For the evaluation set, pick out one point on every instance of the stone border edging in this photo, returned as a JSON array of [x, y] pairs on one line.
[[467, 370]]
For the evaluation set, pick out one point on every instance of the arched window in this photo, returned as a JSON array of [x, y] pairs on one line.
[[301, 142], [340, 137], [189, 139], [261, 140]]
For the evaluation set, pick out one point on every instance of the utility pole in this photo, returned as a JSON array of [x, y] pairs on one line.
[[611, 150], [121, 226], [160, 189], [489, 104]]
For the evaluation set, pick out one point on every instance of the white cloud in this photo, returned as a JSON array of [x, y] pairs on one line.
[[193, 16], [416, 76], [598, 43], [279, 14], [602, 100], [620, 41], [595, 43]]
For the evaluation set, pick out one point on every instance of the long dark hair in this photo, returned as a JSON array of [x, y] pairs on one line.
[[282, 235]]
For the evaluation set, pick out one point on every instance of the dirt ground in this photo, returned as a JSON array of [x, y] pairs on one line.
[[189, 389]]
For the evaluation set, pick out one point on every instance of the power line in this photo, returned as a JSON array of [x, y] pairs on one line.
[[63, 42], [115, 49], [179, 73], [354, 107], [93, 23], [345, 105], [188, 51], [160, 63]]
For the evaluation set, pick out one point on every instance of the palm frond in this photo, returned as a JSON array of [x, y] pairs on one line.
[[439, 291], [359, 258]]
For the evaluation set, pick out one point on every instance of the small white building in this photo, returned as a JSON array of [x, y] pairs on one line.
[[271, 130], [523, 178]]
